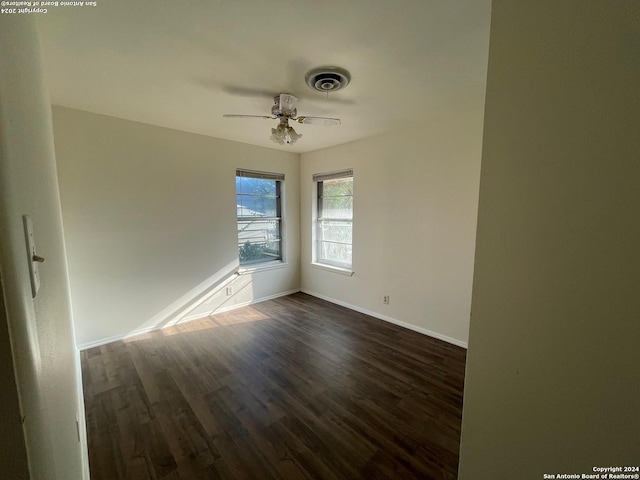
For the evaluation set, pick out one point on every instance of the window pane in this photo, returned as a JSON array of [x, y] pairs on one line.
[[334, 228], [258, 230], [255, 186], [252, 252], [256, 200], [339, 186], [337, 207], [255, 206], [335, 231], [258, 240], [335, 253]]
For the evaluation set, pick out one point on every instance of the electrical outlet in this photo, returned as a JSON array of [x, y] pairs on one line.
[[229, 291], [385, 299]]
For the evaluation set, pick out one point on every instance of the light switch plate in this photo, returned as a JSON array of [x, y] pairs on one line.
[[31, 253]]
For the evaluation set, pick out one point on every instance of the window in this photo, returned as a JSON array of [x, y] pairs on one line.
[[335, 218], [259, 205]]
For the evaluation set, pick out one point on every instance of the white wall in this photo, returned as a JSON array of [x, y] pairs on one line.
[[40, 329], [552, 380], [150, 222], [415, 204]]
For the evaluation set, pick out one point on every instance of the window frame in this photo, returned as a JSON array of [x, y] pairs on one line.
[[318, 260], [279, 218]]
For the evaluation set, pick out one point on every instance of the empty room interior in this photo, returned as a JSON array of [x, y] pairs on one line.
[[339, 240]]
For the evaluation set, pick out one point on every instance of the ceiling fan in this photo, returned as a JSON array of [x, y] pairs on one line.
[[283, 110]]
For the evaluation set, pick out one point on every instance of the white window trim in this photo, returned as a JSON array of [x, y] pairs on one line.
[[260, 266], [330, 268]]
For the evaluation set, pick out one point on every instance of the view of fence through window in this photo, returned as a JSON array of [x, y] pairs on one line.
[[258, 202], [335, 220]]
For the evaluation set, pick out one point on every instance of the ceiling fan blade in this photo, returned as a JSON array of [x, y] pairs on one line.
[[288, 104], [227, 115], [318, 121]]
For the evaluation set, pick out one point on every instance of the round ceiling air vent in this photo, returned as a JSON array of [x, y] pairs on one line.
[[327, 79]]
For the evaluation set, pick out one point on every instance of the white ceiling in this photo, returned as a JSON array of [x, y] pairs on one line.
[[182, 64]]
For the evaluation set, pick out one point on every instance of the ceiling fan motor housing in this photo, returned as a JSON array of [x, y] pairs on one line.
[[284, 105], [327, 79], [276, 112]]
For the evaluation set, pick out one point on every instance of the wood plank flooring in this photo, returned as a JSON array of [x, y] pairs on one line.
[[291, 388]]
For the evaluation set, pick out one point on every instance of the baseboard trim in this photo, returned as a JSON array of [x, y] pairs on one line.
[[371, 313], [239, 305], [141, 331], [386, 318]]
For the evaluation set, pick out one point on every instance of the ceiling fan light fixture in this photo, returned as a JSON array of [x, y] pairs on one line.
[[292, 135], [278, 134], [284, 134]]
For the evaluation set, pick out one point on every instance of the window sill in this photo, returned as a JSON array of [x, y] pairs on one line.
[[331, 268], [259, 267]]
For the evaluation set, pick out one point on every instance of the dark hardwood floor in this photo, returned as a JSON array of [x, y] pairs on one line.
[[291, 388]]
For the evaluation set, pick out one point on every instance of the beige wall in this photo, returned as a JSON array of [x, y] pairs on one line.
[[150, 223], [41, 329], [415, 204], [552, 375]]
